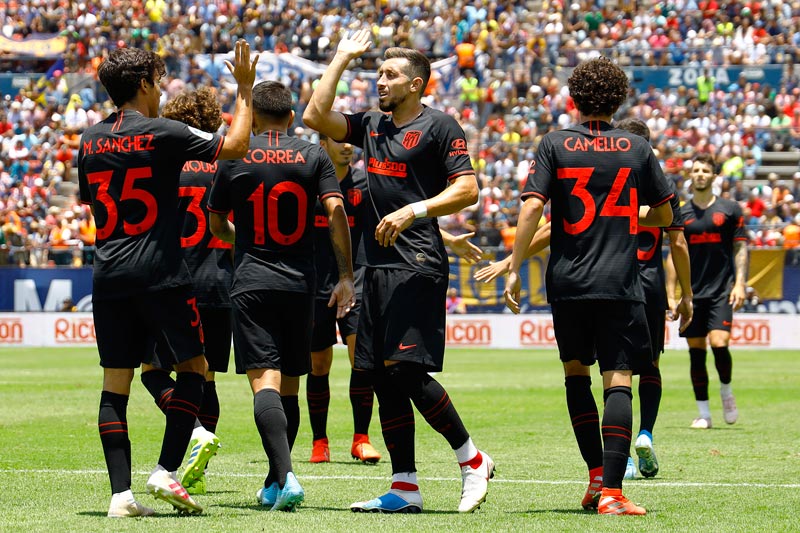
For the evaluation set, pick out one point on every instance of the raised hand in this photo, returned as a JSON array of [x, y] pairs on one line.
[[242, 69], [356, 44]]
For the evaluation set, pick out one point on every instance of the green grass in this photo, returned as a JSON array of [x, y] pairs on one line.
[[731, 478]]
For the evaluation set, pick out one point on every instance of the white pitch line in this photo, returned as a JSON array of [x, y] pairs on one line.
[[650, 482]]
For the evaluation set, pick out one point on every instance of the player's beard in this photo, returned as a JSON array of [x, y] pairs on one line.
[[390, 104], [702, 188]]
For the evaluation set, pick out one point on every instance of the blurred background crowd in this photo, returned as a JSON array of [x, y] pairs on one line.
[[513, 59]]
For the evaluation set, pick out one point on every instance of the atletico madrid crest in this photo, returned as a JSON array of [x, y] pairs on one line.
[[411, 139]]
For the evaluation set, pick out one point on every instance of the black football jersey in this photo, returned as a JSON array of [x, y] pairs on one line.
[[710, 234], [651, 260], [128, 170], [404, 165], [596, 177], [272, 192], [354, 190], [208, 258]]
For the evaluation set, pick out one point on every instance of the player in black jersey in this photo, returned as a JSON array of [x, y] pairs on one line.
[[596, 177], [411, 155], [272, 192], [718, 251], [209, 262], [128, 170]]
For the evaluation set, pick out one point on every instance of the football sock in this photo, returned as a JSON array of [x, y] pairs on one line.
[[699, 373], [318, 394], [160, 386], [468, 453], [725, 390], [585, 420], [291, 407], [432, 401], [112, 423], [271, 423], [617, 422], [362, 394], [405, 481], [209, 409], [649, 397], [723, 362], [181, 413], [704, 409], [397, 422]]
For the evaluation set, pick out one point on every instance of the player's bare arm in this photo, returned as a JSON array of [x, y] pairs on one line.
[[343, 295], [462, 192], [679, 260], [541, 240], [460, 245], [529, 217], [319, 114], [656, 217], [740, 258], [237, 141], [221, 227]]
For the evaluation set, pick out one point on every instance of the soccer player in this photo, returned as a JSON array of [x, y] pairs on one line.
[[128, 170], [209, 262], [411, 155], [718, 252], [272, 192], [651, 269], [595, 177]]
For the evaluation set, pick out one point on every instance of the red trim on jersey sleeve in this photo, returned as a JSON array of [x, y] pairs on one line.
[[86, 202], [219, 148], [349, 130], [216, 210], [334, 194], [740, 238], [662, 202], [674, 228], [526, 195], [459, 174]]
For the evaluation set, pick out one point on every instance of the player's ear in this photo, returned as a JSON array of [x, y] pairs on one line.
[[291, 120], [416, 84]]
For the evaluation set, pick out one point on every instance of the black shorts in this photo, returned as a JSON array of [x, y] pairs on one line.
[[656, 325], [613, 332], [272, 329], [402, 319], [325, 321], [216, 338], [128, 328], [710, 314]]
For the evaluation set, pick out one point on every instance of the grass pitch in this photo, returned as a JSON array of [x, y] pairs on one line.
[[730, 478]]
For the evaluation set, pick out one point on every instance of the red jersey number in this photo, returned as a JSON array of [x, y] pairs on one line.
[[129, 192], [195, 209], [275, 233], [611, 208]]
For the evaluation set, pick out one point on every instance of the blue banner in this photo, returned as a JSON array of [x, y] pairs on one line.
[[45, 289], [643, 77]]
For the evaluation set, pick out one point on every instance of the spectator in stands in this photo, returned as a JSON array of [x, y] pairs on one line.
[[454, 303]]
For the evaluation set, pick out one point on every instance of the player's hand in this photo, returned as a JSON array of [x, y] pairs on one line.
[[684, 310], [464, 249], [243, 70], [737, 297], [390, 227], [672, 309], [356, 44], [343, 297], [494, 270], [511, 293]]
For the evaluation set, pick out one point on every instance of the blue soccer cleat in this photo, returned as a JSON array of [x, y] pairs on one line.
[[290, 496], [630, 470], [394, 501], [266, 496], [648, 464]]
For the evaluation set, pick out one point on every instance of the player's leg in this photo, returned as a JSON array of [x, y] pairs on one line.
[[650, 394], [719, 337], [118, 359], [573, 329], [318, 391], [695, 336]]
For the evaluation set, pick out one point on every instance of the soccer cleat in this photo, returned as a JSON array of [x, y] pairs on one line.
[[162, 485], [203, 448], [320, 453], [630, 469], [475, 483], [592, 495], [701, 423], [394, 501], [613, 502], [127, 507], [290, 496], [266, 496], [648, 464], [729, 411], [363, 450], [197, 486]]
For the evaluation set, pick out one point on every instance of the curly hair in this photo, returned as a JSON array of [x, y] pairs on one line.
[[125, 68], [598, 87], [198, 109]]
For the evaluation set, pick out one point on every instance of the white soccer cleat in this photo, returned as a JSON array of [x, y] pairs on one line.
[[729, 410], [164, 487], [701, 423], [475, 484], [125, 506]]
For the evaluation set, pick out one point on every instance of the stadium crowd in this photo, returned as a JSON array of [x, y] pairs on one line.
[[512, 59]]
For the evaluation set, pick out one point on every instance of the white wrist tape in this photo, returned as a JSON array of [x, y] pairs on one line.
[[419, 209]]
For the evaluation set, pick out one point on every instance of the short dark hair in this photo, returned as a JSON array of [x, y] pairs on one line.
[[419, 64], [708, 159], [598, 87], [198, 109], [272, 99], [123, 70], [635, 126]]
